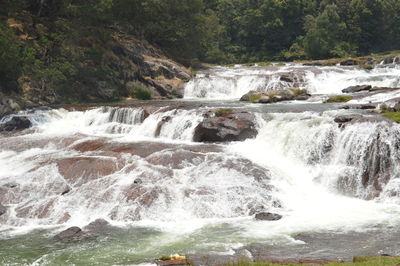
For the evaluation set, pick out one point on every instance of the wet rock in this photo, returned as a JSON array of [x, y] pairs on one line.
[[164, 119], [267, 216], [392, 60], [381, 89], [236, 126], [348, 62], [66, 190], [2, 209], [97, 225], [71, 233], [138, 181], [287, 78], [83, 169], [396, 107], [344, 118], [360, 106], [357, 88], [16, 123]]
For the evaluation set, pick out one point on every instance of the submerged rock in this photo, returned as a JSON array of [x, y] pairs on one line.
[[71, 233], [2, 210], [97, 225], [357, 88], [267, 216], [235, 126], [16, 123]]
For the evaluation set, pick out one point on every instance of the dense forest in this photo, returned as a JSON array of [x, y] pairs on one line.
[[191, 31]]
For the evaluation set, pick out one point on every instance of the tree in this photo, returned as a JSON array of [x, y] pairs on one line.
[[323, 34]]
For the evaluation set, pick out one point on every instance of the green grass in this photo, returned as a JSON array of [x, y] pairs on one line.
[[395, 116], [357, 261], [339, 99], [223, 111]]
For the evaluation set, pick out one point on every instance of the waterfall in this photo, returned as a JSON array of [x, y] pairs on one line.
[[360, 160], [232, 83]]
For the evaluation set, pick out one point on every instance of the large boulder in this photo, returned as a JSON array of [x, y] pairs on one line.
[[275, 96], [16, 123], [359, 106], [357, 88], [230, 126], [71, 233]]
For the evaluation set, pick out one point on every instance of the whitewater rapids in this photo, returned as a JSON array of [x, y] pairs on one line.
[[140, 170]]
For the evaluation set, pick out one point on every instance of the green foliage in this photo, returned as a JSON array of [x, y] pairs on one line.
[[11, 60], [223, 111], [72, 51], [339, 99], [142, 93]]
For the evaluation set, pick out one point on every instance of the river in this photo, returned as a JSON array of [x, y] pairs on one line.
[[137, 167]]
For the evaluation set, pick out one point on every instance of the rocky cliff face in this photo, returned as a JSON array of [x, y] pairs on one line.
[[65, 62]]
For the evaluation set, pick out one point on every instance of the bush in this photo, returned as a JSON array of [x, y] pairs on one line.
[[142, 94]]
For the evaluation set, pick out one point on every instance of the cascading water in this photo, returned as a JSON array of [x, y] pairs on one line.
[[232, 83], [139, 169]]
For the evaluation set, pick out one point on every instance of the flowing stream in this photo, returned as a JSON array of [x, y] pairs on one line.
[[138, 168]]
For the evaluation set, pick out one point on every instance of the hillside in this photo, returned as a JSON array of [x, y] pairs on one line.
[[64, 60]]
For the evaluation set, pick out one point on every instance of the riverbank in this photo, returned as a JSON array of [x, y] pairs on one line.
[[357, 261]]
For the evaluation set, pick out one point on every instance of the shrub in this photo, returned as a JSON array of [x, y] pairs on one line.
[[142, 94]]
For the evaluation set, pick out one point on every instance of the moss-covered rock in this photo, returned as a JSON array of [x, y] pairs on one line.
[[275, 96], [339, 99]]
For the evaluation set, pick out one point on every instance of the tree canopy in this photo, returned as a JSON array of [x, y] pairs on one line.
[[227, 31]]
